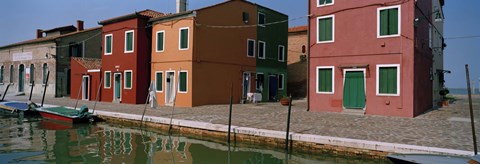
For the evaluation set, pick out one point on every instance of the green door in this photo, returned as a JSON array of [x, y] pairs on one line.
[[117, 86], [354, 90]]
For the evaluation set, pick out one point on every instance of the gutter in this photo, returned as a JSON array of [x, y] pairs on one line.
[[308, 55]]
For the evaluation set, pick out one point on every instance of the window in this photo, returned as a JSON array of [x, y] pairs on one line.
[[128, 79], [32, 73], [321, 3], [183, 82], [183, 40], [325, 80], [326, 29], [159, 81], [250, 48], [260, 81], [262, 19], [160, 41], [280, 81], [388, 21], [76, 50], [430, 32], [107, 78], [2, 71], [45, 72], [261, 49], [129, 41], [108, 44], [11, 74], [281, 53], [388, 78]]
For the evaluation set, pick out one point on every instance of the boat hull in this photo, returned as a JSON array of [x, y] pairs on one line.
[[58, 117]]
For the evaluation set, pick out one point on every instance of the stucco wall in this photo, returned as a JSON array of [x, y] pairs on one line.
[[297, 69]]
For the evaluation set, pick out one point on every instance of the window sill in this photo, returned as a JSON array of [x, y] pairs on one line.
[[387, 95], [323, 42], [159, 91], [128, 52], [326, 93], [387, 36], [325, 5]]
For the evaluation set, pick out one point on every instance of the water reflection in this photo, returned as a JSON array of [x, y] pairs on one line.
[[33, 140]]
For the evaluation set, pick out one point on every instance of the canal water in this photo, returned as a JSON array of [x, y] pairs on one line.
[[33, 140]]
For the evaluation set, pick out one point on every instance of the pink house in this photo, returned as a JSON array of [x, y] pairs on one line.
[[371, 57]]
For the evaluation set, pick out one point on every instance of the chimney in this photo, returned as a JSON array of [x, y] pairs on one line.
[[79, 25], [39, 33], [181, 6]]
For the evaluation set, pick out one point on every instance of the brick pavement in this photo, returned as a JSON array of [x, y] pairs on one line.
[[443, 128]]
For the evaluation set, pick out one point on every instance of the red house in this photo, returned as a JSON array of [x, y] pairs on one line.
[[370, 57], [85, 78], [126, 47]]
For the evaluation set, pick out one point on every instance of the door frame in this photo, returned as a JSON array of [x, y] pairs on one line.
[[268, 92], [249, 74], [115, 85], [166, 86], [364, 70], [88, 89], [21, 78]]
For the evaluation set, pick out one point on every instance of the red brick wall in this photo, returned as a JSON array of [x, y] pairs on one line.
[[297, 69]]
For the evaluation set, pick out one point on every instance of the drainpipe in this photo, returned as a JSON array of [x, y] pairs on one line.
[[308, 55]]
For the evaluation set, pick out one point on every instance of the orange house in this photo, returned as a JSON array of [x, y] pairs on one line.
[[198, 62]]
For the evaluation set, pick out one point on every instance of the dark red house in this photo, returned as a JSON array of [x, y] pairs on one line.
[[126, 47], [85, 78], [370, 57]]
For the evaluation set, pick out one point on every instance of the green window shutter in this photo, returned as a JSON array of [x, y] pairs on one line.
[[184, 38], [107, 79], [383, 22], [160, 40], [322, 2], [393, 21], [325, 80], [109, 44], [329, 1], [388, 80], [183, 82], [128, 79], [159, 83], [129, 41], [321, 30], [325, 29]]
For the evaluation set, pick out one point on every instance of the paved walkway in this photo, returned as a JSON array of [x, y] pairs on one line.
[[447, 127]]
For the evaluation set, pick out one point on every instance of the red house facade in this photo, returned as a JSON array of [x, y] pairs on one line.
[[85, 78], [126, 47], [371, 57]]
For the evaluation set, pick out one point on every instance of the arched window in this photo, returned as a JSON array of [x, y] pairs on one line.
[[11, 74], [45, 70], [32, 73], [2, 70]]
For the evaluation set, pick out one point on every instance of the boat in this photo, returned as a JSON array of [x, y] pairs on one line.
[[27, 108], [67, 114], [427, 158]]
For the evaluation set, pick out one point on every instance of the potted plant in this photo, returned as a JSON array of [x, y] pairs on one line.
[[285, 101], [443, 92]]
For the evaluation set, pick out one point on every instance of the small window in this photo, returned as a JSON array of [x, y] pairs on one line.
[[388, 77], [250, 48], [45, 72], [260, 81], [2, 72], [183, 82], [321, 3], [108, 44], [262, 19], [159, 81], [107, 78], [183, 38], [246, 17], [388, 21], [325, 80], [76, 50], [11, 74], [281, 53], [128, 79], [280, 82], [129, 43], [325, 29], [160, 41], [261, 49], [32, 73], [430, 32]]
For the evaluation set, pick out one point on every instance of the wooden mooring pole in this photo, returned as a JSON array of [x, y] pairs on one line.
[[78, 94], [288, 122], [146, 103], [471, 110], [4, 93], [230, 114], [45, 88], [98, 95], [31, 91]]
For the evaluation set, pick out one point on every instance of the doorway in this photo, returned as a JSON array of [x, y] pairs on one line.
[[21, 78], [354, 96], [86, 87], [246, 85], [170, 88], [117, 87], [272, 87]]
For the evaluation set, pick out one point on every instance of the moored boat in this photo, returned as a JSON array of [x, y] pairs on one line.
[[426, 158], [66, 114], [27, 108]]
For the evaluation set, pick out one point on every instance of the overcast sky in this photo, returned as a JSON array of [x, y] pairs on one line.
[[20, 18]]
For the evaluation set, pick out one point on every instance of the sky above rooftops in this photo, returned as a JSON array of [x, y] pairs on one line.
[[20, 18]]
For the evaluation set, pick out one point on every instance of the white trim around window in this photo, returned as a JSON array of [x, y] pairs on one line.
[[248, 48], [125, 81], [399, 21], [180, 38], [156, 80], [326, 4], [282, 52], [283, 81], [105, 81], [264, 19], [156, 41], [186, 82], [133, 41], [333, 29], [378, 79], [333, 79], [111, 44], [264, 49]]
